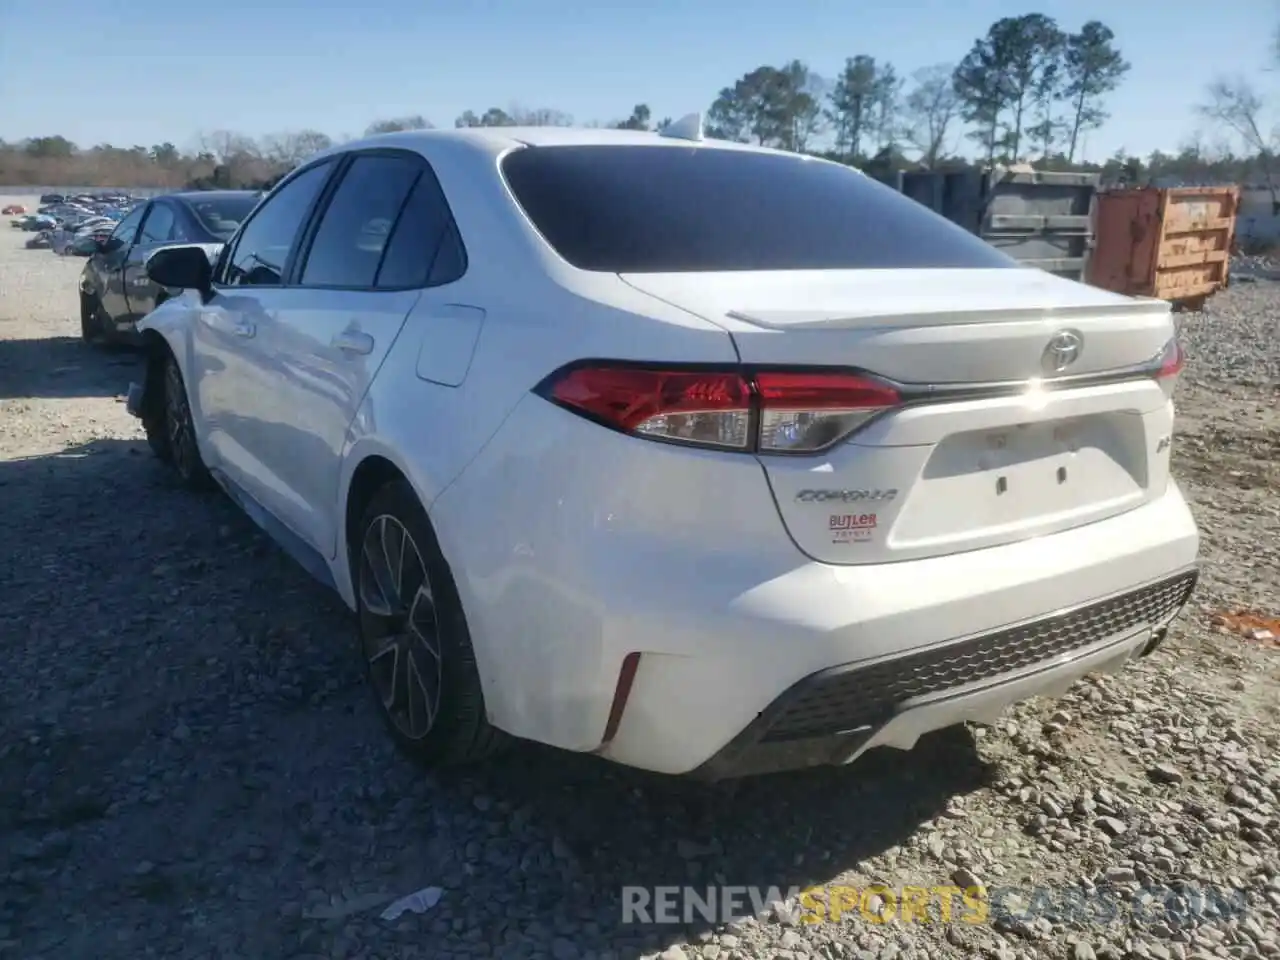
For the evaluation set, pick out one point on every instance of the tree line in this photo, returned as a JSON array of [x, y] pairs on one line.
[[1026, 91]]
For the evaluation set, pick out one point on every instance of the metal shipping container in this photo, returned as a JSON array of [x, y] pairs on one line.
[[1045, 220], [1173, 243]]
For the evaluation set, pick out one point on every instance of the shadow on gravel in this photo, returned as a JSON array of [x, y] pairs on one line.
[[65, 367], [192, 762], [625, 828]]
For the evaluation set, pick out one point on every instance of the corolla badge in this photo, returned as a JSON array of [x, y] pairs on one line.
[[844, 496], [1062, 350]]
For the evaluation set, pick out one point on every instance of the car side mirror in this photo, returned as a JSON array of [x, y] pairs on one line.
[[107, 244], [183, 267]]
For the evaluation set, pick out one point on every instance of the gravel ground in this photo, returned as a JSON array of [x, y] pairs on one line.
[[191, 766]]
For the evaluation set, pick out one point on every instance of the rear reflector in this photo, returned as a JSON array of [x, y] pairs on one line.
[[621, 692], [769, 411]]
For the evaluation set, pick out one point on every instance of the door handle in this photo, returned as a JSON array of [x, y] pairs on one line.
[[353, 341]]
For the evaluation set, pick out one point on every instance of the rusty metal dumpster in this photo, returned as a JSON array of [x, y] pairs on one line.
[[1173, 243]]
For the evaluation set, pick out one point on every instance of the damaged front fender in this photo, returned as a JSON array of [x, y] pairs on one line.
[[163, 333]]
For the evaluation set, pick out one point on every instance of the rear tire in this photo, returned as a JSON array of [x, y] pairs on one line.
[[178, 443], [413, 636]]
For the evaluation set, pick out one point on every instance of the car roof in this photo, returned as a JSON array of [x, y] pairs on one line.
[[496, 140], [191, 196]]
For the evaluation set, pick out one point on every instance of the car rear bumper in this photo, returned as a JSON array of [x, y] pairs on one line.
[[837, 714], [601, 551], [833, 665]]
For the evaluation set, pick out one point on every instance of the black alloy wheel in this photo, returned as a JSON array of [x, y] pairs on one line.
[[413, 635]]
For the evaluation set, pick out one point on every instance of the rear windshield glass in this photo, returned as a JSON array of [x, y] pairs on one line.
[[659, 209], [222, 216]]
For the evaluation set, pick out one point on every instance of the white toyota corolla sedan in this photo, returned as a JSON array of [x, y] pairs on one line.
[[702, 457]]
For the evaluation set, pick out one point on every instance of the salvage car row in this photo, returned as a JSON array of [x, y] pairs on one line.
[[70, 225], [117, 233], [115, 289]]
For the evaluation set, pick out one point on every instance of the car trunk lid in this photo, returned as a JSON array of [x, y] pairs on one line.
[[918, 326], [1027, 406]]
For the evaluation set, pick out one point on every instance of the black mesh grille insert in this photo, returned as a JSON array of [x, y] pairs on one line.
[[868, 696]]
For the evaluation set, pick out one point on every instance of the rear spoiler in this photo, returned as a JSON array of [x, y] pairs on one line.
[[831, 320]]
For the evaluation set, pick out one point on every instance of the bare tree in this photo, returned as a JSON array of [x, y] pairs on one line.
[[931, 110], [493, 117], [415, 122], [539, 117], [293, 147], [886, 107], [1236, 105], [234, 158], [225, 146]]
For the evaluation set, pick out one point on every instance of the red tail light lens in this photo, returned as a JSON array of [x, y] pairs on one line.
[[804, 412], [1172, 360], [766, 411], [706, 408]]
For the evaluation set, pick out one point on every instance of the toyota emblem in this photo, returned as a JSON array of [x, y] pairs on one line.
[[1062, 350]]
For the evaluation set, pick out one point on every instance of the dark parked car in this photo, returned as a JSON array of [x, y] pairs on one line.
[[115, 291]]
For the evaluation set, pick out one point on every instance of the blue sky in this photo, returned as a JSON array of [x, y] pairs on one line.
[[146, 71]]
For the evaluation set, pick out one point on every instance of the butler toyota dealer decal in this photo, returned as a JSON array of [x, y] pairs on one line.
[[851, 527]]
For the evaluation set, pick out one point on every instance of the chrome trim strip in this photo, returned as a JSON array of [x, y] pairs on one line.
[[935, 391]]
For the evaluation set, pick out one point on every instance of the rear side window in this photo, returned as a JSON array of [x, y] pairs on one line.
[[424, 250], [662, 209], [127, 229], [222, 216], [159, 226], [357, 224]]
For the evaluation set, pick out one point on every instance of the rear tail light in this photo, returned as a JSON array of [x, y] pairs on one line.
[[707, 408], [803, 412], [1166, 367], [1172, 359], [768, 411]]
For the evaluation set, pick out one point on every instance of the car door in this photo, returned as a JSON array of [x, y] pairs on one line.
[[363, 266], [108, 265], [139, 289], [228, 378]]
